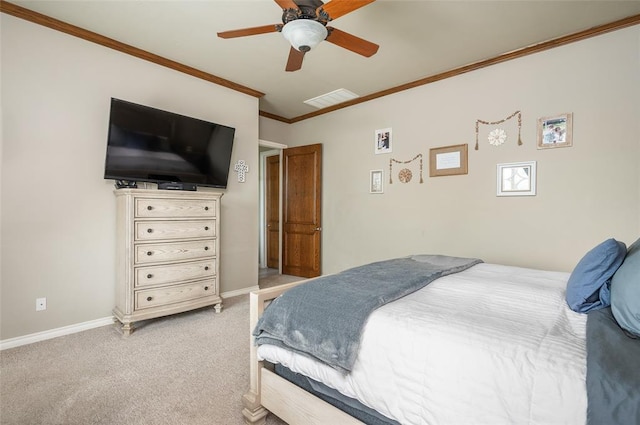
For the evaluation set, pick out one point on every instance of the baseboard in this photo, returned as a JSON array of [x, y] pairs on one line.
[[71, 329], [237, 292], [54, 333]]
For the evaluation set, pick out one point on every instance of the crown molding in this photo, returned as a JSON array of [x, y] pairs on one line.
[[515, 54], [44, 20], [38, 18]]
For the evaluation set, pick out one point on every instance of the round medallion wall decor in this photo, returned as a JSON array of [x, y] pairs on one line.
[[405, 175], [497, 137]]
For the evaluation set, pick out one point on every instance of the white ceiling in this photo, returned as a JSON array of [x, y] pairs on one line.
[[417, 39]]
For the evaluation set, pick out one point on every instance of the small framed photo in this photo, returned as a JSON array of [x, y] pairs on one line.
[[516, 179], [448, 160], [555, 131], [376, 181], [383, 141]]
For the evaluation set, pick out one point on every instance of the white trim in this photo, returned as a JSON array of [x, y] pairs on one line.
[[269, 144], [237, 292], [79, 327], [54, 333]]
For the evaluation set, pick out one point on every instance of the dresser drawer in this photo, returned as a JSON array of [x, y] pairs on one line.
[[168, 208], [161, 230], [174, 251], [167, 295], [159, 275]]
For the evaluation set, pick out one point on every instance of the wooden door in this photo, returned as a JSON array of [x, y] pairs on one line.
[[272, 213], [302, 178]]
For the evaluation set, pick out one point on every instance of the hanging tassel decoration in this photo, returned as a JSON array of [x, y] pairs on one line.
[[478, 122], [391, 161]]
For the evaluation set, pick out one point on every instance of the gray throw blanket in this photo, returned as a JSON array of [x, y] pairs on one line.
[[613, 372], [324, 318]]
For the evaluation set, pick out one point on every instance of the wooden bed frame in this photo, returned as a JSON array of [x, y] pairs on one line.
[[269, 392]]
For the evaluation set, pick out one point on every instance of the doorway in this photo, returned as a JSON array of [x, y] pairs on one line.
[[269, 267], [272, 210], [290, 210]]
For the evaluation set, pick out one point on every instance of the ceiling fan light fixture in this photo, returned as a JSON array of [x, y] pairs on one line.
[[304, 34]]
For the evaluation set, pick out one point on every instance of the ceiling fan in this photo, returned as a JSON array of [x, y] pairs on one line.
[[304, 25]]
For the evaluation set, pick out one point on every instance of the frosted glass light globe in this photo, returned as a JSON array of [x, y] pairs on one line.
[[304, 34]]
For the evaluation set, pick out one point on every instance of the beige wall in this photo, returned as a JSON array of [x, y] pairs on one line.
[[586, 193], [58, 213]]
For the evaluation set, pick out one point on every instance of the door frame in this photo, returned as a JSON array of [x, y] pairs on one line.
[[276, 149]]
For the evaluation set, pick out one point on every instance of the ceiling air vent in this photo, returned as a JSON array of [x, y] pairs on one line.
[[331, 98]]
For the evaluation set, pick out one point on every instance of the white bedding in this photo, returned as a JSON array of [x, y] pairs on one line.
[[490, 345]]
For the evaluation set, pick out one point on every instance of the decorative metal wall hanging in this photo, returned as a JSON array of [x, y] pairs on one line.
[[241, 168], [405, 175], [498, 136]]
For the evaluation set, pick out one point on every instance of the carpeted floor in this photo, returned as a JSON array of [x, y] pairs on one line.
[[191, 369]]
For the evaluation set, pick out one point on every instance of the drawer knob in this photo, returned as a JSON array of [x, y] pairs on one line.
[[206, 267], [149, 230], [206, 208], [149, 253], [149, 298], [149, 276], [206, 288], [206, 248], [149, 208], [206, 227]]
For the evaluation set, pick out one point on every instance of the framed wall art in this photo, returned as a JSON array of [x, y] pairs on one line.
[[376, 181], [448, 160], [555, 131], [516, 179], [383, 141]]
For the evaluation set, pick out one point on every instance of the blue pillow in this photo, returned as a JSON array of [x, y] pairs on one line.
[[625, 291], [589, 284]]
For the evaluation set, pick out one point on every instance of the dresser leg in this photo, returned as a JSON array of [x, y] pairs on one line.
[[218, 307], [127, 328]]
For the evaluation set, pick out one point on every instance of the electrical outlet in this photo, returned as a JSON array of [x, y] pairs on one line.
[[41, 304]]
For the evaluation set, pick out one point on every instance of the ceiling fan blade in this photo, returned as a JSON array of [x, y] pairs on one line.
[[248, 31], [294, 62], [286, 4], [351, 42], [338, 8]]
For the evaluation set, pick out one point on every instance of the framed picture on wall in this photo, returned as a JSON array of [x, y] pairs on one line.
[[376, 179], [448, 160], [555, 131], [516, 179], [383, 141]]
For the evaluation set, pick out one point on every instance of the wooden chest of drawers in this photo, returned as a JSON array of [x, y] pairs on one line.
[[167, 253]]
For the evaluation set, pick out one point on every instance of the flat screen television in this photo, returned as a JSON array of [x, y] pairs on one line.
[[175, 151]]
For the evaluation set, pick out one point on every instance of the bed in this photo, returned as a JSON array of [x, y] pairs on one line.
[[482, 344]]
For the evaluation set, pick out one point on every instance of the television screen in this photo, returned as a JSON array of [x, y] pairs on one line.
[[148, 144]]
